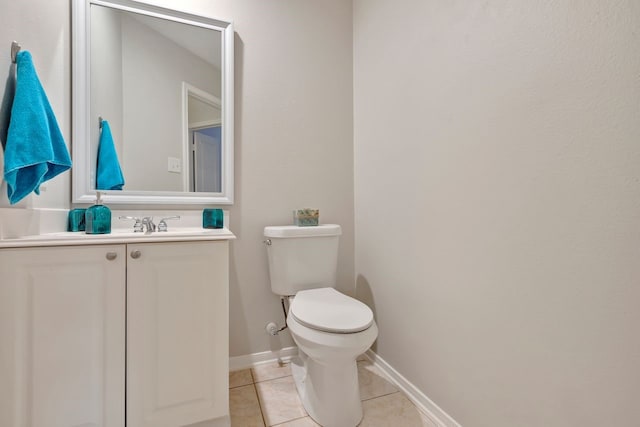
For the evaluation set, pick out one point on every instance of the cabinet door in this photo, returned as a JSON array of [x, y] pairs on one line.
[[62, 336], [177, 333]]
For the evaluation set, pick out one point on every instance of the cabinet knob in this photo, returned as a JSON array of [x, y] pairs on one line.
[[135, 254], [111, 256]]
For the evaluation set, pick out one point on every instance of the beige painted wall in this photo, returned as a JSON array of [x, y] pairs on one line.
[[497, 191], [293, 129], [294, 122]]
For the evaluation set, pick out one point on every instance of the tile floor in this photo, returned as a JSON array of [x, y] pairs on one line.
[[266, 396]]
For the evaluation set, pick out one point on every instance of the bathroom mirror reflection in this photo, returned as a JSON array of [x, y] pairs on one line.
[[163, 81]]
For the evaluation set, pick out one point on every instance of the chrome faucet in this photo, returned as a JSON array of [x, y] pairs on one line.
[[162, 225], [137, 227], [147, 222]]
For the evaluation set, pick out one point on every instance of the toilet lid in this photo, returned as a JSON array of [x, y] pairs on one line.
[[328, 310]]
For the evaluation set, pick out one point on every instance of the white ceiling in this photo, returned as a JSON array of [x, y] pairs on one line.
[[203, 42]]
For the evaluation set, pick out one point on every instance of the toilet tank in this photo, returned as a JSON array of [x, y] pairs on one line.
[[302, 257]]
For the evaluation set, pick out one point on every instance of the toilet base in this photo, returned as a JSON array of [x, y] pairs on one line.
[[330, 394]]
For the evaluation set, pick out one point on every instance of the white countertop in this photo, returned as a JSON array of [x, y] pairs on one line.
[[117, 236], [28, 227]]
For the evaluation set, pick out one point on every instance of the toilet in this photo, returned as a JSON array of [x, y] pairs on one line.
[[330, 329]]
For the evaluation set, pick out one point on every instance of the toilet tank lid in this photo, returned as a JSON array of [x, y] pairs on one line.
[[286, 231]]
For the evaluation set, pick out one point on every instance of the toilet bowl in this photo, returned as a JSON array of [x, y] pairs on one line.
[[330, 329], [329, 340]]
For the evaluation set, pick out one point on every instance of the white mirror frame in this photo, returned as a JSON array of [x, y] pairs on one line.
[[81, 95]]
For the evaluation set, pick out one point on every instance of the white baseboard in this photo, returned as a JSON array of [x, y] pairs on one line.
[[422, 402], [246, 361]]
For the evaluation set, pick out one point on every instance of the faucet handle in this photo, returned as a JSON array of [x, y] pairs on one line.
[[162, 225], [137, 226], [148, 221]]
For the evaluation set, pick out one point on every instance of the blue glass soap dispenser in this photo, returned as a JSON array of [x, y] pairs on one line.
[[97, 218]]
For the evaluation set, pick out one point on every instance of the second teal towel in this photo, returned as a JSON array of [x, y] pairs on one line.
[[109, 175], [35, 150]]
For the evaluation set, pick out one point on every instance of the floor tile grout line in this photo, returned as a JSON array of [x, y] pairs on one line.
[[241, 385], [293, 419], [271, 379], [382, 395], [264, 420]]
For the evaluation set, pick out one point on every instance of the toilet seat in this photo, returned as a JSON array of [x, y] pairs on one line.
[[328, 310]]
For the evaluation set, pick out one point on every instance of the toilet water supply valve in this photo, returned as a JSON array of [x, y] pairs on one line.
[[272, 328]]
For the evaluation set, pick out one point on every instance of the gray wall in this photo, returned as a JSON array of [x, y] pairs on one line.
[[497, 190]]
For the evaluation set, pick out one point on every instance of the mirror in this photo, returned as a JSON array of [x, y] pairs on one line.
[[163, 81]]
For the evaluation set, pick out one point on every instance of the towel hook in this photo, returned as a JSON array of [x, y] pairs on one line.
[[15, 48], [100, 121]]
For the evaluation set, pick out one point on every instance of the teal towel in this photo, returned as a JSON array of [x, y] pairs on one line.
[[35, 150], [109, 175]]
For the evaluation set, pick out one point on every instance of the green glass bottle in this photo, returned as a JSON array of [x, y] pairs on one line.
[[97, 218]]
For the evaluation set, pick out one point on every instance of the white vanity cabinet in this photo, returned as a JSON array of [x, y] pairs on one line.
[[79, 325], [62, 336], [177, 333]]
